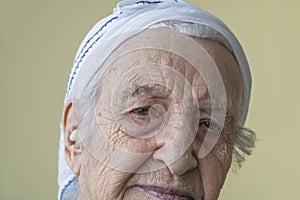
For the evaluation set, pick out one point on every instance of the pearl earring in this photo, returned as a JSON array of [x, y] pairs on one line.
[[74, 135]]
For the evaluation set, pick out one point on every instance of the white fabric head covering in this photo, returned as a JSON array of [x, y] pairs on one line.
[[132, 17]]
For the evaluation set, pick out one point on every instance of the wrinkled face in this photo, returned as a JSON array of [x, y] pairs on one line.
[[164, 126]]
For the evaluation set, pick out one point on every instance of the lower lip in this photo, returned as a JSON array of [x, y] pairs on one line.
[[163, 195]]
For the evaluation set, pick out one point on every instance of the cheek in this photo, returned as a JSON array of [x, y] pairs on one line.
[[113, 150], [214, 167], [118, 139], [98, 181]]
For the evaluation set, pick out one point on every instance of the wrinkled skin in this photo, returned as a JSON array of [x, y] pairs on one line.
[[186, 177]]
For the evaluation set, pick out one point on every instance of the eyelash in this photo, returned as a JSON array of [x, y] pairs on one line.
[[140, 111], [209, 124]]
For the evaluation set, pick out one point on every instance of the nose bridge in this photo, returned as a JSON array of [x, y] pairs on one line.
[[176, 146]]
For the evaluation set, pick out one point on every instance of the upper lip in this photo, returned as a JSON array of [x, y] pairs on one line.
[[164, 190]]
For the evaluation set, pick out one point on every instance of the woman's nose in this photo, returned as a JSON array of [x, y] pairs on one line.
[[177, 161], [176, 147]]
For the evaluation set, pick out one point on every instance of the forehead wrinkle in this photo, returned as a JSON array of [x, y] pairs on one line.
[[166, 59], [206, 103], [156, 56]]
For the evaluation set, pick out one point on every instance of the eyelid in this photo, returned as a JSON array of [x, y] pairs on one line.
[[134, 107], [145, 102], [143, 107], [205, 115], [228, 117], [211, 121]]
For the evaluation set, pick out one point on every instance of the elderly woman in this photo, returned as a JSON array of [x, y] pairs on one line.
[[155, 106]]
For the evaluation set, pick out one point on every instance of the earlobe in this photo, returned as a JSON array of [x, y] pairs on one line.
[[74, 135], [72, 148]]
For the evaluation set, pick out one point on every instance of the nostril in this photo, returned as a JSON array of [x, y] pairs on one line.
[[177, 163]]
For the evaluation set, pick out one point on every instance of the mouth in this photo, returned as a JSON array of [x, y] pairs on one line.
[[165, 193]]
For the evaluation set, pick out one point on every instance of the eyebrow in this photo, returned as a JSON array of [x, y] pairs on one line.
[[209, 109], [154, 91]]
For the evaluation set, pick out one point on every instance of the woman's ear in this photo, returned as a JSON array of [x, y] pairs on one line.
[[73, 150]]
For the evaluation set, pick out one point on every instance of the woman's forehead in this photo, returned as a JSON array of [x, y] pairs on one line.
[[162, 67], [184, 53]]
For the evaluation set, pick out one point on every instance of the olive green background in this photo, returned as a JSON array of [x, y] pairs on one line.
[[38, 40]]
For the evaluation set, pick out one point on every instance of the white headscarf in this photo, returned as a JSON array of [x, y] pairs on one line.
[[132, 17]]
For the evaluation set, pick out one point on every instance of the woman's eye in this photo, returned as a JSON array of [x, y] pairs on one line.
[[143, 111], [209, 125]]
